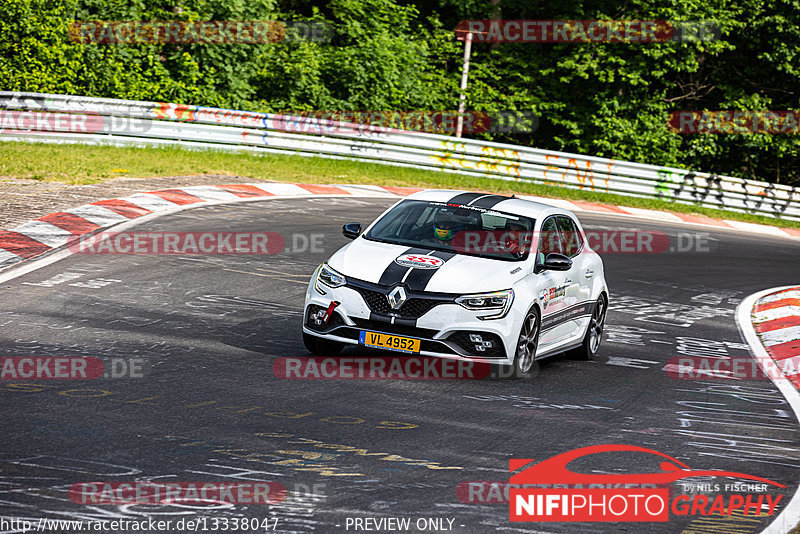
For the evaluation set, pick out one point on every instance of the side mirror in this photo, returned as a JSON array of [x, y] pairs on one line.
[[557, 262], [353, 230]]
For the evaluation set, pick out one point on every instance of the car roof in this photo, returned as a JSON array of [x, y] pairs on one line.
[[514, 205]]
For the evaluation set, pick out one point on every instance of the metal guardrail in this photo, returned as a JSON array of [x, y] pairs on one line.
[[123, 122]]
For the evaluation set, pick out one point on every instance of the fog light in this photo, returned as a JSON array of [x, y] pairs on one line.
[[476, 338], [317, 317], [480, 348], [487, 344]]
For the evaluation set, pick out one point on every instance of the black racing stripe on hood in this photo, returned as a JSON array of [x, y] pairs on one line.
[[488, 202], [464, 198], [418, 278], [394, 272]]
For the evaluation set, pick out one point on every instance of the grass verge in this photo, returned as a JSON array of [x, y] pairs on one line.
[[87, 164]]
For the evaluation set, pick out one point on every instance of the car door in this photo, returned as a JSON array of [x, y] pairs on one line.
[[579, 289], [552, 287]]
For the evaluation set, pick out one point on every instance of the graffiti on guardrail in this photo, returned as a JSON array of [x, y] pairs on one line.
[[493, 160], [687, 183], [769, 195], [583, 173], [588, 174], [679, 185], [184, 113], [455, 146], [664, 177], [282, 123], [684, 182], [365, 148], [175, 112]]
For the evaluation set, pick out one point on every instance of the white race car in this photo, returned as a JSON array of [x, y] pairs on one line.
[[462, 275]]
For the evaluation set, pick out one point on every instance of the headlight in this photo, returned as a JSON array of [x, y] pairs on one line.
[[328, 277], [499, 300]]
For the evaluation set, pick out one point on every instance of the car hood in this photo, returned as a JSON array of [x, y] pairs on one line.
[[368, 260]]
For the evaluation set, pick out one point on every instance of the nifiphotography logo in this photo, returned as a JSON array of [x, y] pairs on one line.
[[563, 495]]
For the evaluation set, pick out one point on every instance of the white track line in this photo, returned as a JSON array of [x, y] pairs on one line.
[[790, 515]]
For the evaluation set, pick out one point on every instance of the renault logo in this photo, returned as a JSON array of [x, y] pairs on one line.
[[396, 297]]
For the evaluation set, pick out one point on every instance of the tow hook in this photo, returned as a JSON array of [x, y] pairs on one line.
[[329, 311]]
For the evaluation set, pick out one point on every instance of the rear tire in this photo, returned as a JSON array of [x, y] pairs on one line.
[[594, 333], [527, 343], [321, 347]]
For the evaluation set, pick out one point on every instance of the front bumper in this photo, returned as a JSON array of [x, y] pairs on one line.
[[446, 329]]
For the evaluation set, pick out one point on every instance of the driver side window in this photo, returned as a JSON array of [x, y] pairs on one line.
[[572, 240], [549, 240]]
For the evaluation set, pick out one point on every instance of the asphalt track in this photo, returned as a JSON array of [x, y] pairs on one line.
[[207, 329]]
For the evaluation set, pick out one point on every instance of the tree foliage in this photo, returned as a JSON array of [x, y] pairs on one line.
[[609, 100]]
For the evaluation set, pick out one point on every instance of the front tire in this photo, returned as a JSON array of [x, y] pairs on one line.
[[594, 332], [321, 347], [527, 343]]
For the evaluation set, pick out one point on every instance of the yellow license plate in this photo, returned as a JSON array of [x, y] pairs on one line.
[[388, 341]]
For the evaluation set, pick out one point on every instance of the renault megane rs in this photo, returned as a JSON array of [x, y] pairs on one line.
[[462, 275]]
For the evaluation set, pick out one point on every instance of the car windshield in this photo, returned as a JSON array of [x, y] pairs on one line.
[[456, 228]]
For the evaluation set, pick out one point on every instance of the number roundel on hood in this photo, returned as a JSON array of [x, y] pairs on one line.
[[419, 261]]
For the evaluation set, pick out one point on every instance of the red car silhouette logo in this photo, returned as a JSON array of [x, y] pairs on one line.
[[554, 470]]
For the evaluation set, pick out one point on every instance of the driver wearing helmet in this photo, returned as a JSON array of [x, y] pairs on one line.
[[448, 222], [444, 226]]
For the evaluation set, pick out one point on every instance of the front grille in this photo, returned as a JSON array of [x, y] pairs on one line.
[[413, 308], [461, 338], [375, 301]]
